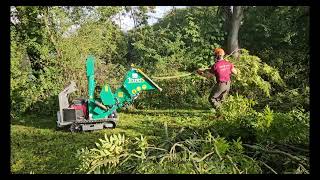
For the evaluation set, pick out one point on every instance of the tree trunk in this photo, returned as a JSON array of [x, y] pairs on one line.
[[226, 13], [233, 31]]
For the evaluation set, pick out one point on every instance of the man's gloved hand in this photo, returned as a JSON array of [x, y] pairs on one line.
[[200, 71], [205, 73]]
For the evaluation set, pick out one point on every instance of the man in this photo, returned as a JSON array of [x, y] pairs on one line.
[[222, 69]]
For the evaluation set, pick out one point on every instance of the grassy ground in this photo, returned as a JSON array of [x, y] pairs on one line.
[[37, 147]]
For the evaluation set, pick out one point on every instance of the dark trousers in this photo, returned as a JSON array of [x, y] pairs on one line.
[[219, 93]]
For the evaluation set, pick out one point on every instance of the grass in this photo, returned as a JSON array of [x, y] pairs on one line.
[[37, 147]]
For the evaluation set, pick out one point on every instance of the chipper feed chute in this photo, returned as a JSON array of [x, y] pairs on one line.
[[101, 112]]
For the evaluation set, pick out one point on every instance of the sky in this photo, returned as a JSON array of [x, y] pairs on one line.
[[127, 22]]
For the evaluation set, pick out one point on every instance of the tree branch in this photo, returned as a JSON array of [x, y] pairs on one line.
[[295, 158], [268, 167], [234, 165], [293, 147]]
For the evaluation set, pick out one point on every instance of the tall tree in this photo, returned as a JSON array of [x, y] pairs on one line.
[[288, 26], [139, 14], [233, 16]]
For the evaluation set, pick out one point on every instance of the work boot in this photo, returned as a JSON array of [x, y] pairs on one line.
[[216, 115], [213, 110], [216, 103]]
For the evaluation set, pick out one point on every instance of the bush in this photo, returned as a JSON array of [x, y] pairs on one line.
[[281, 139], [255, 77], [241, 119], [289, 99], [207, 154], [287, 128]]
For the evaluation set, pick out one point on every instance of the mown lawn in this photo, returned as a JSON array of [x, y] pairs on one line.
[[37, 147]]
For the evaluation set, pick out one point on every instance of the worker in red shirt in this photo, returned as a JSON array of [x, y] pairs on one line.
[[222, 70]]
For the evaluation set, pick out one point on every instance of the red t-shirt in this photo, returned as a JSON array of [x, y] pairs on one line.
[[222, 70]]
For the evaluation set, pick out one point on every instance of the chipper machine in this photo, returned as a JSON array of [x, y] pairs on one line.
[[97, 113]]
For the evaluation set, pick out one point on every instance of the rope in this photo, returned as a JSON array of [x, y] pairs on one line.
[[173, 77], [233, 52], [188, 74]]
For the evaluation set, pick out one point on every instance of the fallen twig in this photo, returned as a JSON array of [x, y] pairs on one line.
[[268, 167], [277, 152], [204, 157], [234, 165], [293, 147], [157, 148], [195, 167]]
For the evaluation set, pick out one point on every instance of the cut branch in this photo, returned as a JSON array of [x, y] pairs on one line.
[[277, 152], [268, 167], [295, 148]]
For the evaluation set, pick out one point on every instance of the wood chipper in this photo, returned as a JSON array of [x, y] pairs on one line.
[[97, 113]]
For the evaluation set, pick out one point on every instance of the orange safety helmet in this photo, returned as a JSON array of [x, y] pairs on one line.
[[219, 51]]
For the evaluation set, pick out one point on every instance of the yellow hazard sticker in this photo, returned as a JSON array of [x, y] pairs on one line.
[[133, 91], [138, 88], [144, 86], [120, 94], [106, 88]]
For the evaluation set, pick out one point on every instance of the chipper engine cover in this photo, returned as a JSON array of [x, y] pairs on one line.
[[97, 113]]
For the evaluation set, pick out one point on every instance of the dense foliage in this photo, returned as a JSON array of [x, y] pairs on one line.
[[57, 56], [242, 141], [262, 127]]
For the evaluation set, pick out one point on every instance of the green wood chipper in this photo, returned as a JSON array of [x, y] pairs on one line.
[[97, 113]]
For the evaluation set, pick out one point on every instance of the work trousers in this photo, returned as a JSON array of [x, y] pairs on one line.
[[219, 93]]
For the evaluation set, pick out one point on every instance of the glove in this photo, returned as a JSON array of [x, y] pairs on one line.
[[199, 71]]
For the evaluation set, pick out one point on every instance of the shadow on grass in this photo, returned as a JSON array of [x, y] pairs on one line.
[[168, 130], [36, 121], [44, 152], [170, 112]]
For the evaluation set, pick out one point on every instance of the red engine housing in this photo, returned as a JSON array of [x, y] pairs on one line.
[[82, 107]]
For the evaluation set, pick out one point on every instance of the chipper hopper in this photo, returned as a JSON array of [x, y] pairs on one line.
[[97, 113]]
